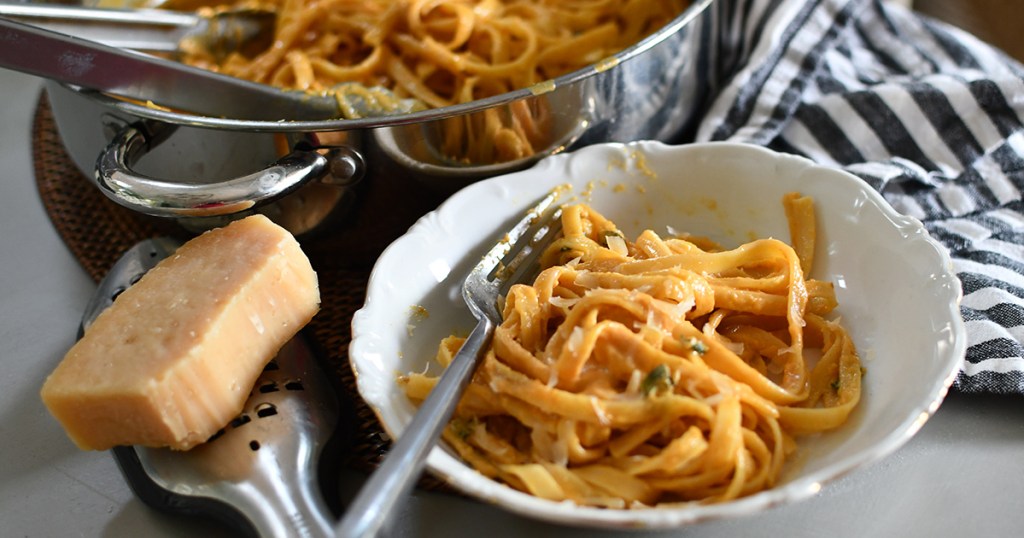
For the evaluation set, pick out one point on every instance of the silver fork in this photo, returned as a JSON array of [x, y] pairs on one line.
[[513, 259]]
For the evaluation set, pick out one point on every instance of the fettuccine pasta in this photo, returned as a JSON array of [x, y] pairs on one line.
[[658, 370], [442, 52]]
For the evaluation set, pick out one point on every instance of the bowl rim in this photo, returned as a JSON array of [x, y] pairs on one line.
[[800, 487]]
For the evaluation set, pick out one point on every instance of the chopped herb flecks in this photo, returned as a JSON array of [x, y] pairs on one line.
[[657, 379], [462, 428], [697, 346]]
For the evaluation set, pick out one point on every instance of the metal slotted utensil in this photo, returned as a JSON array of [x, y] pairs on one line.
[[259, 474], [513, 259]]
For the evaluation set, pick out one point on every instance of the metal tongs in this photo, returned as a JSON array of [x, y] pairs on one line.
[[261, 474], [148, 79], [248, 31]]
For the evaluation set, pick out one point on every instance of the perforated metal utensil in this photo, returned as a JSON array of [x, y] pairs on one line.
[[260, 473], [512, 259]]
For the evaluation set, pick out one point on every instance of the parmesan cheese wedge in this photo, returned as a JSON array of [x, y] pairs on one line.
[[175, 357]]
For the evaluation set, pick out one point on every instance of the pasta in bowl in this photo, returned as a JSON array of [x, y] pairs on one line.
[[706, 203]]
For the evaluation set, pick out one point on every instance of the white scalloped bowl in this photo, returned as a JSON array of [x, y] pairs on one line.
[[896, 289]]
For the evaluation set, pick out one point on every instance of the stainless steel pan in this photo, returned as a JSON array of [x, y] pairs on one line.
[[363, 181]]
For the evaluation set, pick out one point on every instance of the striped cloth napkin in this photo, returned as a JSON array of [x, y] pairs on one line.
[[927, 114]]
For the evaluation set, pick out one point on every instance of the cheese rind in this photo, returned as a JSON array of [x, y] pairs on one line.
[[175, 357]]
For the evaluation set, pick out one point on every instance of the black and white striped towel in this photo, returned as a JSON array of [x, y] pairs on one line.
[[927, 114]]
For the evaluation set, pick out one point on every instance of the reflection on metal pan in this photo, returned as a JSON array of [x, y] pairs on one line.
[[652, 90]]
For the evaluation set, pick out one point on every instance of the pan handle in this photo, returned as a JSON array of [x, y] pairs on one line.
[[337, 165]]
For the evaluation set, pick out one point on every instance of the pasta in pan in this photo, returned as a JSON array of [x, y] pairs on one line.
[[659, 370], [441, 52]]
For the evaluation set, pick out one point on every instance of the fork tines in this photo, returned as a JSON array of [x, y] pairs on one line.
[[526, 241]]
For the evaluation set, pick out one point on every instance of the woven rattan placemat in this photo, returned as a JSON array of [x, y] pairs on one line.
[[97, 231]]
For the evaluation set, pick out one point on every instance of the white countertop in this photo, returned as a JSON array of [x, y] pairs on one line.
[[962, 475]]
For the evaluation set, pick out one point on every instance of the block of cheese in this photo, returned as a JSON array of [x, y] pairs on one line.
[[175, 358]]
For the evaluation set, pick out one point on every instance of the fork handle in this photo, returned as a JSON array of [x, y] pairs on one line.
[[402, 466]]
